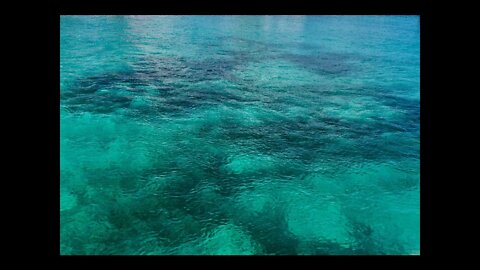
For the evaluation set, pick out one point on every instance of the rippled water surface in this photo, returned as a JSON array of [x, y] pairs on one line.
[[239, 135]]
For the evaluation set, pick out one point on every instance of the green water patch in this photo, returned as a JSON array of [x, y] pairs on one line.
[[227, 239], [67, 200], [397, 183], [101, 142], [352, 193], [308, 215], [245, 164]]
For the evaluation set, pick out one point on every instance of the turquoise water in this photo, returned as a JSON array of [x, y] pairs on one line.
[[221, 135]]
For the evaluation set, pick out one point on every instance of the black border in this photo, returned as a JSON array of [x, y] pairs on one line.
[[50, 144], [259, 7]]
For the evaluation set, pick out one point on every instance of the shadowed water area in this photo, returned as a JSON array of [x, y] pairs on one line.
[[221, 135]]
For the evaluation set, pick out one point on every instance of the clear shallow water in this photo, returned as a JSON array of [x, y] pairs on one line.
[[239, 135]]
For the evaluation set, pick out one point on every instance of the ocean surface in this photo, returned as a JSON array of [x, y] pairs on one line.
[[239, 135]]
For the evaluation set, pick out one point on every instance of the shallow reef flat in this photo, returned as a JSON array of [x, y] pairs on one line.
[[239, 135]]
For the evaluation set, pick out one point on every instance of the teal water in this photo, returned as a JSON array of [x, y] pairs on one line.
[[220, 135]]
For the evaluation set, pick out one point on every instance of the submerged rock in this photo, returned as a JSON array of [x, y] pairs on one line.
[[67, 200], [249, 164], [318, 220], [227, 239], [230, 240]]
